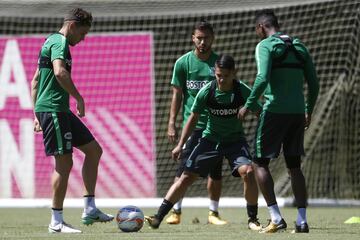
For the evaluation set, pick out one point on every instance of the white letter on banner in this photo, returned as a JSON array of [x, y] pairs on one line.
[[18, 161], [12, 62]]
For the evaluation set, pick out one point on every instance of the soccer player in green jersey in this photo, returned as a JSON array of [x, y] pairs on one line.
[[62, 130], [282, 63], [222, 137], [191, 72]]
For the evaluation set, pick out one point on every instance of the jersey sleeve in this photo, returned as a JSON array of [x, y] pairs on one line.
[[59, 49], [179, 74], [199, 104], [263, 63], [245, 92], [312, 81]]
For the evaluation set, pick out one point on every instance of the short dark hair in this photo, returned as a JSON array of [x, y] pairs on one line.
[[203, 25], [267, 17], [225, 62], [80, 16]]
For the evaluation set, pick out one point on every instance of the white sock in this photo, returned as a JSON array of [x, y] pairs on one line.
[[177, 205], [301, 217], [56, 217], [214, 205], [275, 213], [89, 204]]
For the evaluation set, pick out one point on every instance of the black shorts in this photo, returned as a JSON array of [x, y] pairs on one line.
[[189, 146], [208, 155], [275, 130], [62, 131]]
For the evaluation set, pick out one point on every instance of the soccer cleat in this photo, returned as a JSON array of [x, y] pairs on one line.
[[302, 228], [174, 218], [272, 227], [254, 224], [215, 219], [96, 216], [153, 221], [62, 228]]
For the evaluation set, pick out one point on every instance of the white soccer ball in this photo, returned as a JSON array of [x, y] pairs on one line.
[[130, 219]]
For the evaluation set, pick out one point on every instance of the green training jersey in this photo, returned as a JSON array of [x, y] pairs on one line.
[[51, 97], [283, 87], [191, 74], [221, 128]]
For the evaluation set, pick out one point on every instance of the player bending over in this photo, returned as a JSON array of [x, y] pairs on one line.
[[222, 137]]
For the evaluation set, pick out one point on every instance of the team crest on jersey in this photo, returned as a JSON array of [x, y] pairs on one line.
[[188, 163], [68, 135]]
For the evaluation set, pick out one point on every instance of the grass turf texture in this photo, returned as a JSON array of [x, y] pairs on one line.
[[325, 223]]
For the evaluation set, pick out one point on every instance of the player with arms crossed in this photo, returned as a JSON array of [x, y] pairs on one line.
[[223, 137], [191, 72], [62, 130], [282, 63]]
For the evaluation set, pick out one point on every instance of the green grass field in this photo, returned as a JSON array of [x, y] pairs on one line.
[[325, 223]]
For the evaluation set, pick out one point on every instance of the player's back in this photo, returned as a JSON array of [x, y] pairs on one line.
[[284, 93]]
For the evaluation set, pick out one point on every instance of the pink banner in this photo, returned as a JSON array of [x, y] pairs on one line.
[[114, 73]]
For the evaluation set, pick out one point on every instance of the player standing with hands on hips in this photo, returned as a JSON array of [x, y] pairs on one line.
[[62, 130], [282, 64]]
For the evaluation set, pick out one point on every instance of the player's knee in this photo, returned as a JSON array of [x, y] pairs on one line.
[[93, 150], [96, 151], [176, 178], [250, 169], [63, 164], [213, 185], [99, 150], [66, 169], [187, 178], [246, 171]]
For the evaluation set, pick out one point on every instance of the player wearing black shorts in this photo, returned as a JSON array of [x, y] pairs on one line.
[[191, 72], [223, 137], [62, 130], [283, 63]]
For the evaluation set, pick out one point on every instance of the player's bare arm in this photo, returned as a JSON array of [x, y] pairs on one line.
[[187, 130], [34, 86], [65, 81], [34, 89], [176, 101]]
